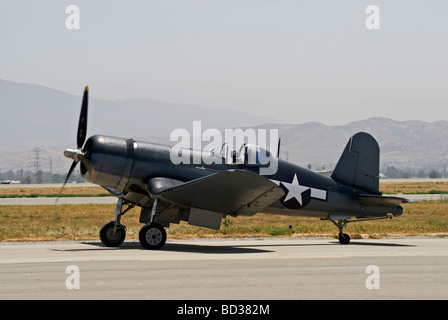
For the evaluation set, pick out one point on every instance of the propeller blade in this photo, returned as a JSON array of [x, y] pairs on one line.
[[77, 155], [278, 148], [82, 126], [70, 171]]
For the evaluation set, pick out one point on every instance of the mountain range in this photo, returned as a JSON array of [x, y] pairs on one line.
[[33, 116]]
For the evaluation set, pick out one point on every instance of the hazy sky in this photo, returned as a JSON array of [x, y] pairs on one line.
[[297, 60]]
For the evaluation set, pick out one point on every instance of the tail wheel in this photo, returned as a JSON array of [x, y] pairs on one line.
[[344, 238], [152, 236], [112, 236]]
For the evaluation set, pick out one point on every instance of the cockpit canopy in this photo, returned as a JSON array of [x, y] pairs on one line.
[[248, 154]]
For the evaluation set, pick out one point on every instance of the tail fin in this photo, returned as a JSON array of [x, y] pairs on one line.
[[359, 164]]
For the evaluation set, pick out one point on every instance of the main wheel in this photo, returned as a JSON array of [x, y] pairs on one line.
[[344, 238], [110, 238], [152, 236]]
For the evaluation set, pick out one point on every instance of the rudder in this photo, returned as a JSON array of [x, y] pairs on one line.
[[359, 164]]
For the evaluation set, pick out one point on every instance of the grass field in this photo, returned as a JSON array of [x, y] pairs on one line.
[[83, 222], [414, 187]]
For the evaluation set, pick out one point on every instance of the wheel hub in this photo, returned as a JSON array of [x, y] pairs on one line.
[[154, 236], [113, 236]]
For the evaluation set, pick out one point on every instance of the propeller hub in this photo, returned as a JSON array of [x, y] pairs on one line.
[[74, 154]]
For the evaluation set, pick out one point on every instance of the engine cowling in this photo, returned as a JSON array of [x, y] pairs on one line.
[[108, 161]]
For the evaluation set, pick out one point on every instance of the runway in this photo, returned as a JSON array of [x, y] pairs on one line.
[[287, 268], [52, 201]]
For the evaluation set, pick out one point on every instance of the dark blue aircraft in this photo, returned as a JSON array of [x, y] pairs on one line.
[[142, 174]]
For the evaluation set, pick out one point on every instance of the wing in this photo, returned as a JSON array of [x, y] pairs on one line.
[[236, 192]]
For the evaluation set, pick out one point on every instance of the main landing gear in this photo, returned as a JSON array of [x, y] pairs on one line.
[[152, 236]]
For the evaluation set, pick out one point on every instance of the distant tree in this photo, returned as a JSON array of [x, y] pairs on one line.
[[392, 172], [39, 177], [434, 174], [421, 173]]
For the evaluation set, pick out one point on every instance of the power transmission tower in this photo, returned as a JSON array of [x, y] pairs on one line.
[[36, 157], [51, 169]]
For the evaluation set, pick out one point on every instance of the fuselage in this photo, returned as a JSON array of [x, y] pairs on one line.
[[126, 166]]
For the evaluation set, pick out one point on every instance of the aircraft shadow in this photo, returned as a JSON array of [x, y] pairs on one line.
[[375, 244], [225, 249], [207, 249], [200, 247], [228, 249], [177, 247]]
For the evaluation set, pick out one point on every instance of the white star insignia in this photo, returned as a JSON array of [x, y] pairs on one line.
[[295, 190]]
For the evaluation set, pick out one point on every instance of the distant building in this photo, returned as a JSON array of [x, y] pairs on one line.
[[9, 182]]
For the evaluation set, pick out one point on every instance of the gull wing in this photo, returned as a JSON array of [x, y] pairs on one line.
[[236, 192]]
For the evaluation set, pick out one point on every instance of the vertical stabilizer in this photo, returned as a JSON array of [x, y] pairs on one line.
[[359, 164]]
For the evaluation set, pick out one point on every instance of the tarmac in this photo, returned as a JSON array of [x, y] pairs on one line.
[[197, 269]]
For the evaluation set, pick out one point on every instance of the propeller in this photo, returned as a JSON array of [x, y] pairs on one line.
[[77, 154]]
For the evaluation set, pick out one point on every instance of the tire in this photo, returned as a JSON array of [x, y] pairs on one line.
[[107, 236], [152, 236], [344, 238]]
